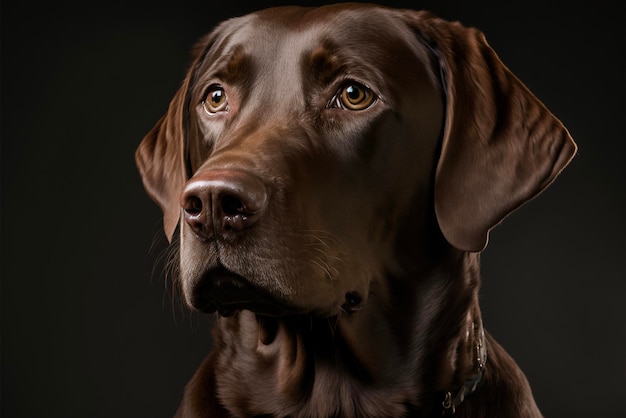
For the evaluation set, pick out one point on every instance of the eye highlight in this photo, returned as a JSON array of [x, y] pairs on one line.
[[215, 100], [354, 96]]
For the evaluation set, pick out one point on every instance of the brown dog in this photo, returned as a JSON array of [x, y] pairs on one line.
[[334, 173]]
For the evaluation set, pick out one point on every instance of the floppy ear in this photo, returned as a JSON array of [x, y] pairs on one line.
[[160, 160], [161, 155], [501, 146]]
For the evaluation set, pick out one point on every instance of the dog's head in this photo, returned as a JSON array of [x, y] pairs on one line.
[[304, 142]]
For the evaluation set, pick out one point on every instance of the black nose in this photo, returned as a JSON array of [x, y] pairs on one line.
[[223, 202]]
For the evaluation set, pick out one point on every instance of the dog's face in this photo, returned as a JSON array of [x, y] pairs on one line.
[[304, 142], [321, 118]]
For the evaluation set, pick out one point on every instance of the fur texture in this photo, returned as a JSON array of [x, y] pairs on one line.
[[334, 173]]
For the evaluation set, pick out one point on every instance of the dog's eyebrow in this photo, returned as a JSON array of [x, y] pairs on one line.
[[234, 67], [325, 64]]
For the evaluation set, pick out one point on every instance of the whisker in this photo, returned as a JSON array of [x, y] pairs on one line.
[[325, 254], [167, 265], [333, 323], [324, 267]]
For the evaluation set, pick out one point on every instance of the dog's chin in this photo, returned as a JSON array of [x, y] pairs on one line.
[[225, 292]]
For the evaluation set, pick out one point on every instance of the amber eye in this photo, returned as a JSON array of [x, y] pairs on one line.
[[355, 96], [215, 100]]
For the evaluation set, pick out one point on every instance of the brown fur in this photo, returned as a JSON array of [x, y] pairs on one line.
[[341, 247]]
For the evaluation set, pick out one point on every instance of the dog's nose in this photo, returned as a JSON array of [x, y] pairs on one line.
[[222, 202]]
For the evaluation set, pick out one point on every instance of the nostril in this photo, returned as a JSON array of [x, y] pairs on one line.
[[236, 215], [193, 205], [232, 206]]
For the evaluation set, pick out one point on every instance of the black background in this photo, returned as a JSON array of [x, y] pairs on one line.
[[89, 330]]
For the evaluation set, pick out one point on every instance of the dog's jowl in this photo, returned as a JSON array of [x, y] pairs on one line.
[[331, 175]]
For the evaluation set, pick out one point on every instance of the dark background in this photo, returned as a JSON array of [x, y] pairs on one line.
[[89, 330]]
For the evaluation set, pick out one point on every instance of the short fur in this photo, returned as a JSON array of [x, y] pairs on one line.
[[334, 173]]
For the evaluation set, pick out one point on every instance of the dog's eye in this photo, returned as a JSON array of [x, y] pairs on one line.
[[215, 100], [355, 96]]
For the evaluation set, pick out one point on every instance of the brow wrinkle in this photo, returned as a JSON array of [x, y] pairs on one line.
[[325, 64], [237, 67]]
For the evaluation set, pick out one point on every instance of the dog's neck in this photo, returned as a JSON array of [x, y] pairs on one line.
[[381, 361], [476, 353]]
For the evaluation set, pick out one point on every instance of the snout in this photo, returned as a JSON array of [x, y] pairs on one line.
[[223, 203], [249, 242]]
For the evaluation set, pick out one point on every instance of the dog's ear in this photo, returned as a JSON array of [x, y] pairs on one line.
[[161, 155], [501, 146], [161, 163]]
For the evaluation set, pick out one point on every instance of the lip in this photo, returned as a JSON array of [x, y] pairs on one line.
[[225, 292]]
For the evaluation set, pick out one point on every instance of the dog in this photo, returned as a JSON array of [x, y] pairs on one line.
[[334, 174]]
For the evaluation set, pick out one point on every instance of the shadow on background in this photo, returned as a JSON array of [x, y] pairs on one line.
[[90, 330]]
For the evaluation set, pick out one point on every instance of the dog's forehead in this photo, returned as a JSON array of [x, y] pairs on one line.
[[294, 19], [293, 32], [364, 42]]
